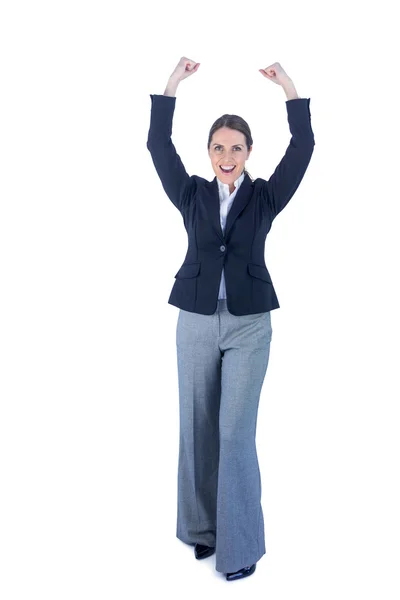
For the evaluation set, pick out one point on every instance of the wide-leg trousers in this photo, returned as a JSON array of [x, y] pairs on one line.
[[222, 361]]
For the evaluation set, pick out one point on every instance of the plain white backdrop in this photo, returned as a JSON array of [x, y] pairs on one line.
[[89, 246]]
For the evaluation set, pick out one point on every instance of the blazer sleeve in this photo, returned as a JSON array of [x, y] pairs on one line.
[[174, 178], [285, 180]]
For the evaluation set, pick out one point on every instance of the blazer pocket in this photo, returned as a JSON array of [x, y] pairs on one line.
[[259, 271], [188, 270]]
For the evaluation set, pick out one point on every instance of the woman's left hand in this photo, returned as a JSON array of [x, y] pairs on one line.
[[276, 74]]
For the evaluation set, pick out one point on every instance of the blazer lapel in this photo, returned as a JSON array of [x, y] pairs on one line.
[[239, 203]]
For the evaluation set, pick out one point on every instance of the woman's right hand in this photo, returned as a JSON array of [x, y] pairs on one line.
[[184, 68]]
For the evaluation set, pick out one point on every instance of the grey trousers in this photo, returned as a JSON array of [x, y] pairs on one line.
[[222, 361]]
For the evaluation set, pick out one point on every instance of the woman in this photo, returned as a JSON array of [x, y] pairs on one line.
[[225, 295]]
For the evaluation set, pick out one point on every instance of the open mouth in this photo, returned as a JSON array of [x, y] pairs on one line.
[[226, 170]]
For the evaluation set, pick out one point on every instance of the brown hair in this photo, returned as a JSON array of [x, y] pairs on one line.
[[233, 122]]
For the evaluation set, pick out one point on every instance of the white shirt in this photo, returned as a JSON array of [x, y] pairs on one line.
[[225, 203]]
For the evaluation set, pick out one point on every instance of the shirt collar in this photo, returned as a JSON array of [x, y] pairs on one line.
[[224, 187]]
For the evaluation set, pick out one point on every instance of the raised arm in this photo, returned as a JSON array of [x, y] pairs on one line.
[[170, 169], [285, 180]]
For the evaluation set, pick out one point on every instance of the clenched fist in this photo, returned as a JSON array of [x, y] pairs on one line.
[[275, 73], [184, 68]]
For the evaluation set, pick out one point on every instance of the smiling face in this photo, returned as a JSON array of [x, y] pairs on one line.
[[228, 149]]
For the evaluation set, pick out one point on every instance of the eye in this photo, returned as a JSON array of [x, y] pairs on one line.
[[236, 147]]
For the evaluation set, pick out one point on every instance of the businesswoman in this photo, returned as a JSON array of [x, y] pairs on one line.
[[225, 296]]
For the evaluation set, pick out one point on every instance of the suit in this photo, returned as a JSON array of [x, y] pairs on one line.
[[225, 295], [239, 250]]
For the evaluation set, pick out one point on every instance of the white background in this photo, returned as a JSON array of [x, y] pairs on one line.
[[90, 244]]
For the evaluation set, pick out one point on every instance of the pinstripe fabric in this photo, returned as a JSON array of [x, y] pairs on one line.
[[222, 360]]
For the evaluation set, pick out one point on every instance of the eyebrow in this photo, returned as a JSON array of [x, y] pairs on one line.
[[232, 145]]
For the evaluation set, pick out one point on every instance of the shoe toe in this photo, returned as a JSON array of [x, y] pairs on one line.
[[245, 572], [202, 551]]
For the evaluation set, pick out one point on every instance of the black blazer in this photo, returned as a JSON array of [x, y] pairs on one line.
[[249, 288]]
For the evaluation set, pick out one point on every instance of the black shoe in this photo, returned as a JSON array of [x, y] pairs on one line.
[[245, 572], [202, 551]]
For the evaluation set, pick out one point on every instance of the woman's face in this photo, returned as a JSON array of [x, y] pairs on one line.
[[228, 149]]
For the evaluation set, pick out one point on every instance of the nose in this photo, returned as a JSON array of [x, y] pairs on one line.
[[227, 159]]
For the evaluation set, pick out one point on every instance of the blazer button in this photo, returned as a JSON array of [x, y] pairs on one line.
[[222, 248]]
